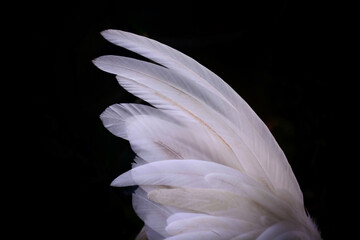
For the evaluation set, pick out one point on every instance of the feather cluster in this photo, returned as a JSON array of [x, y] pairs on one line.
[[207, 167]]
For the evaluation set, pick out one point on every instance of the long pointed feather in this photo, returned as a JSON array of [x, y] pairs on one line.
[[203, 155], [151, 86], [142, 78], [155, 135], [259, 137]]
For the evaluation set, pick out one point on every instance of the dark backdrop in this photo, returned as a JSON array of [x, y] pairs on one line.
[[273, 53]]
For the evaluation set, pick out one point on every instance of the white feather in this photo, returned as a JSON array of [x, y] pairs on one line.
[[207, 166], [204, 175], [254, 132], [157, 136], [184, 97], [153, 214], [224, 226], [196, 235]]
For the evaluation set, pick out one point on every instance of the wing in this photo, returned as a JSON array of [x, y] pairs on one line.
[[203, 151]]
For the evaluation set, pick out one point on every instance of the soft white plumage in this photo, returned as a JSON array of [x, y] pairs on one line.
[[207, 167]]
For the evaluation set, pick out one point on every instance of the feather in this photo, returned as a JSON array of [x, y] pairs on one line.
[[252, 129], [223, 226], [153, 214], [168, 90], [203, 175], [196, 235], [207, 167], [196, 173], [157, 136]]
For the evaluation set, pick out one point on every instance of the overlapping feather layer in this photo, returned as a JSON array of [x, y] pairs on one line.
[[207, 167]]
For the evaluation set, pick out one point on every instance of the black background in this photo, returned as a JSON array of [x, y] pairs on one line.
[[275, 54]]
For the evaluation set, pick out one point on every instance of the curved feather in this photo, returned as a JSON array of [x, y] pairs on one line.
[[207, 166], [186, 98], [155, 135], [254, 132], [197, 174]]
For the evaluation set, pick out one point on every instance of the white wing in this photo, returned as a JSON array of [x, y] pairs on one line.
[[206, 157]]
